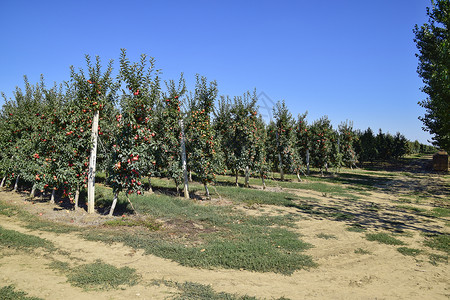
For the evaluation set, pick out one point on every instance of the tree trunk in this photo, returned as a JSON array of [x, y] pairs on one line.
[[237, 177], [281, 167], [207, 191], [128, 199], [298, 176], [263, 181], [307, 161], [16, 185], [77, 197], [178, 190], [33, 191], [190, 176], [246, 176], [3, 181], [279, 159], [150, 189], [92, 162], [52, 198], [183, 162], [113, 206]]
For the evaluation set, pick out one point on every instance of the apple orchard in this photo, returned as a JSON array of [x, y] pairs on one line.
[[134, 127]]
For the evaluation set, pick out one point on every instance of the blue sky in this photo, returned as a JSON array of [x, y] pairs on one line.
[[348, 59]]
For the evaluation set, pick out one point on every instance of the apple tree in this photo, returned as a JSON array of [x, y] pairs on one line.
[[200, 143], [135, 144], [93, 91]]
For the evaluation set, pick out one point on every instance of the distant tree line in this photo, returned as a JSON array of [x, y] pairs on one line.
[[384, 146]]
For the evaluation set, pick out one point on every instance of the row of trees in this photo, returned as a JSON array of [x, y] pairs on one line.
[[384, 146], [131, 127]]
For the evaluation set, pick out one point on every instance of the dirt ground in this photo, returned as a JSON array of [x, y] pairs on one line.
[[381, 272]]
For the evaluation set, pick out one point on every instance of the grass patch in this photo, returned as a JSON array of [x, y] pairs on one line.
[[251, 248], [342, 216], [100, 275], [412, 208], [10, 293], [148, 223], [208, 236], [435, 259], [440, 212], [313, 183], [404, 200], [190, 290], [439, 242], [383, 238], [326, 236], [409, 251], [7, 210], [356, 228], [252, 196], [50, 226], [21, 241], [60, 266], [362, 251], [323, 188], [33, 222]]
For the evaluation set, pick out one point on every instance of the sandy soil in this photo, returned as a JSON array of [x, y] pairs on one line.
[[382, 273]]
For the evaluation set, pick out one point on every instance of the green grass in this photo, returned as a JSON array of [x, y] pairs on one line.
[[313, 183], [60, 266], [435, 259], [440, 212], [191, 290], [208, 236], [166, 207], [252, 248], [10, 293], [404, 200], [356, 228], [148, 223], [100, 275], [383, 238], [409, 251], [21, 241], [33, 222], [412, 208], [326, 236], [252, 196], [362, 251], [439, 242], [9, 210], [334, 190]]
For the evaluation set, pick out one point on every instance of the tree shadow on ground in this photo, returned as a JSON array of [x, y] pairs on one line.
[[369, 215], [367, 181]]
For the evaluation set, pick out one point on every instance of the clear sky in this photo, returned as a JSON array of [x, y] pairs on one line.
[[348, 59]]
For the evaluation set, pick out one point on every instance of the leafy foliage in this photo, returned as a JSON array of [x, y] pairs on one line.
[[134, 152], [433, 42], [201, 145]]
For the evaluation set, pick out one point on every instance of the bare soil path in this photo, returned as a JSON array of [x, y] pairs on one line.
[[349, 266]]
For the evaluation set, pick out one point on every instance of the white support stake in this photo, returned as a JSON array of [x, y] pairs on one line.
[[92, 162]]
